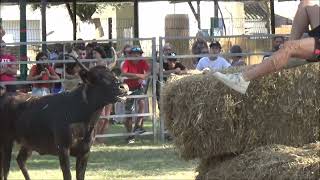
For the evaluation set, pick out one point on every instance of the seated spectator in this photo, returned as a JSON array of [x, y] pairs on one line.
[[237, 60], [277, 41], [213, 63], [199, 46], [41, 72], [136, 71], [8, 72]]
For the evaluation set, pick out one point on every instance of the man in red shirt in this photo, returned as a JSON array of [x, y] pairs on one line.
[[136, 71], [8, 72]]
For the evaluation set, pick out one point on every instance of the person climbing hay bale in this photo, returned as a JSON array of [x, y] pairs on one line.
[[208, 119]]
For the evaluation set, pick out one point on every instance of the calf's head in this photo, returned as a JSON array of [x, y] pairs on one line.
[[107, 87]]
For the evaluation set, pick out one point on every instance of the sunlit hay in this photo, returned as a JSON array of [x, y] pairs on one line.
[[269, 162], [208, 119]]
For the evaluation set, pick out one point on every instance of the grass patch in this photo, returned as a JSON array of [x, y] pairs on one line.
[[117, 160]]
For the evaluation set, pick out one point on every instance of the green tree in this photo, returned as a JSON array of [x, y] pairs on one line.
[[85, 12]]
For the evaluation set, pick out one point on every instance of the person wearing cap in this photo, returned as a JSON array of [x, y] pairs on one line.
[[8, 72], [172, 66], [136, 71], [236, 60], [215, 62]]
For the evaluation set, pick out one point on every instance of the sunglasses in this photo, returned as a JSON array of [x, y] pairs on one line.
[[136, 49]]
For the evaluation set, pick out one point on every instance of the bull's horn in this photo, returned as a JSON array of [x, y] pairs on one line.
[[77, 60]]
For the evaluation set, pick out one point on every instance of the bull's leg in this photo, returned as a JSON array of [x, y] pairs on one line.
[[64, 157], [7, 158], [22, 157], [81, 166], [1, 162], [84, 150]]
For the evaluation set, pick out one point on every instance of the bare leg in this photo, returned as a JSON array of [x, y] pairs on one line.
[[139, 121], [128, 124], [307, 13], [303, 49], [105, 122], [22, 157]]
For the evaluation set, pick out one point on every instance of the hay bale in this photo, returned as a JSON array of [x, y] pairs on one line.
[[208, 119], [270, 162]]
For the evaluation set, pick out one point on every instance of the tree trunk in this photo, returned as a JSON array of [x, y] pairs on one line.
[[98, 27], [70, 12]]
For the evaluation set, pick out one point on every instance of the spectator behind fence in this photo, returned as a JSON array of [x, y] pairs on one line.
[[100, 55], [277, 42], [166, 49], [89, 49], [41, 72], [2, 89], [8, 72], [173, 66], [136, 71], [125, 51], [199, 46], [213, 63], [72, 76], [236, 60], [2, 32]]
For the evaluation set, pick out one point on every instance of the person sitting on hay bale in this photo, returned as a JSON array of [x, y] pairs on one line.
[[307, 48]]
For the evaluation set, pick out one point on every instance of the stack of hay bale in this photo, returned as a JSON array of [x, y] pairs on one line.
[[213, 123]]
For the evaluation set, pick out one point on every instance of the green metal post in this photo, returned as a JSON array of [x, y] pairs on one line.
[[23, 39]]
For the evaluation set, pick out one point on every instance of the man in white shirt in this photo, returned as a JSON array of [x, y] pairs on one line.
[[213, 63]]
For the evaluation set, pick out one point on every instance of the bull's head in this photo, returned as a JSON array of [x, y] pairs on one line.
[[106, 85]]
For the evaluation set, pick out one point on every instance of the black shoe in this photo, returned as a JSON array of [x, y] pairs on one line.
[[130, 140]]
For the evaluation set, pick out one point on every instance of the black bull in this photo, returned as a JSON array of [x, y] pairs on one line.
[[59, 124]]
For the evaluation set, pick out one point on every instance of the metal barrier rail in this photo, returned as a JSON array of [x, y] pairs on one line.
[[127, 115], [123, 134], [81, 60], [77, 41], [152, 77], [224, 37]]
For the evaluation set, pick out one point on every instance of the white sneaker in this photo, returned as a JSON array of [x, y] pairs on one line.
[[234, 81]]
